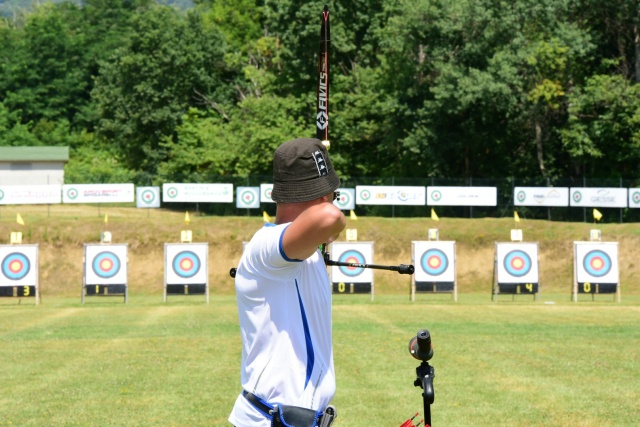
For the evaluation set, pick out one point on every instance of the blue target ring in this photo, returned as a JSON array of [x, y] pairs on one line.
[[106, 265], [434, 262], [517, 263], [186, 264], [353, 257], [597, 263], [15, 266]]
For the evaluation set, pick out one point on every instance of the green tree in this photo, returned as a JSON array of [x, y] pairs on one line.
[[172, 62]]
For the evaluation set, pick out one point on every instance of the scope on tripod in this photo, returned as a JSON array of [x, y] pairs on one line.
[[420, 346]]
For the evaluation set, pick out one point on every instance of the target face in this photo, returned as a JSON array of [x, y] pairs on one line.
[[248, 197], [15, 266], [434, 261], [105, 265], [347, 199], [352, 256], [147, 197], [18, 265], [353, 253], [596, 262], [517, 262], [186, 264]]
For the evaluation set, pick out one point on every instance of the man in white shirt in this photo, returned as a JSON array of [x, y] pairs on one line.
[[284, 293]]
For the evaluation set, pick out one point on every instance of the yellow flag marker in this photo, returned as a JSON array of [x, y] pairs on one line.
[[266, 217], [597, 215], [186, 218], [19, 219], [352, 215], [516, 217], [434, 215]]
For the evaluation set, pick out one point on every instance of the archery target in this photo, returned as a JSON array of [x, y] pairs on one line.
[[19, 265], [355, 253], [105, 264], [596, 262], [434, 261], [186, 264], [248, 197], [517, 262]]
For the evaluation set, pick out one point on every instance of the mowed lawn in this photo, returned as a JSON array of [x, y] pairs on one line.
[[149, 363]]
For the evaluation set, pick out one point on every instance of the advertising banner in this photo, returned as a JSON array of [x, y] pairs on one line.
[[634, 197], [389, 195], [541, 196], [30, 194], [197, 193], [98, 193], [599, 197], [462, 196]]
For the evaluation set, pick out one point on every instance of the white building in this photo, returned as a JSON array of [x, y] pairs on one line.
[[33, 165]]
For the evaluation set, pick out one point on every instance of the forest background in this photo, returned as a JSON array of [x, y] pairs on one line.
[[538, 92]]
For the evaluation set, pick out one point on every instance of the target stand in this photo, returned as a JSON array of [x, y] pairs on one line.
[[105, 271], [352, 279], [185, 269], [516, 270], [595, 269], [19, 272], [435, 263]]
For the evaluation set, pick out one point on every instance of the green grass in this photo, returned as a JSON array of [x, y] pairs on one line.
[[149, 363]]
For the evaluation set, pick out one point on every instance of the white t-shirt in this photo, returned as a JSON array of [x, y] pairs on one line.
[[284, 307]]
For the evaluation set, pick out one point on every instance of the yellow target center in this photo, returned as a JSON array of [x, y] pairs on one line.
[[15, 266], [517, 263], [186, 264], [597, 263], [106, 264]]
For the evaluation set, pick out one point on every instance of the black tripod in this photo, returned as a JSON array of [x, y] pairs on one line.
[[420, 348]]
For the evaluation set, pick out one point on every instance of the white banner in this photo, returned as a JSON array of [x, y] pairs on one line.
[[248, 197], [541, 196], [147, 197], [98, 193], [462, 196], [105, 264], [389, 195], [599, 197], [197, 193], [634, 197], [30, 194], [265, 193]]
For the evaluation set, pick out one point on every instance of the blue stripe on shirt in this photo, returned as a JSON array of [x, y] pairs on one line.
[[307, 338]]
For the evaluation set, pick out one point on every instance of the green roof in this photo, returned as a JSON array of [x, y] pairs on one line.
[[34, 154]]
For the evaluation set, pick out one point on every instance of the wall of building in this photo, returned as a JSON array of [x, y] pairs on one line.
[[31, 173]]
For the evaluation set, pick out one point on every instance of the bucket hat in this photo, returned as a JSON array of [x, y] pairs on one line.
[[302, 171]]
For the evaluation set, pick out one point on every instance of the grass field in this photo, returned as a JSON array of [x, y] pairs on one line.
[[514, 362], [149, 363]]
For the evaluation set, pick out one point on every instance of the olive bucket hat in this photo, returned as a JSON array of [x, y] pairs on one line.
[[302, 171]]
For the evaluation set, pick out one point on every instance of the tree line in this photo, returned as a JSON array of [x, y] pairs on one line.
[[149, 93]]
